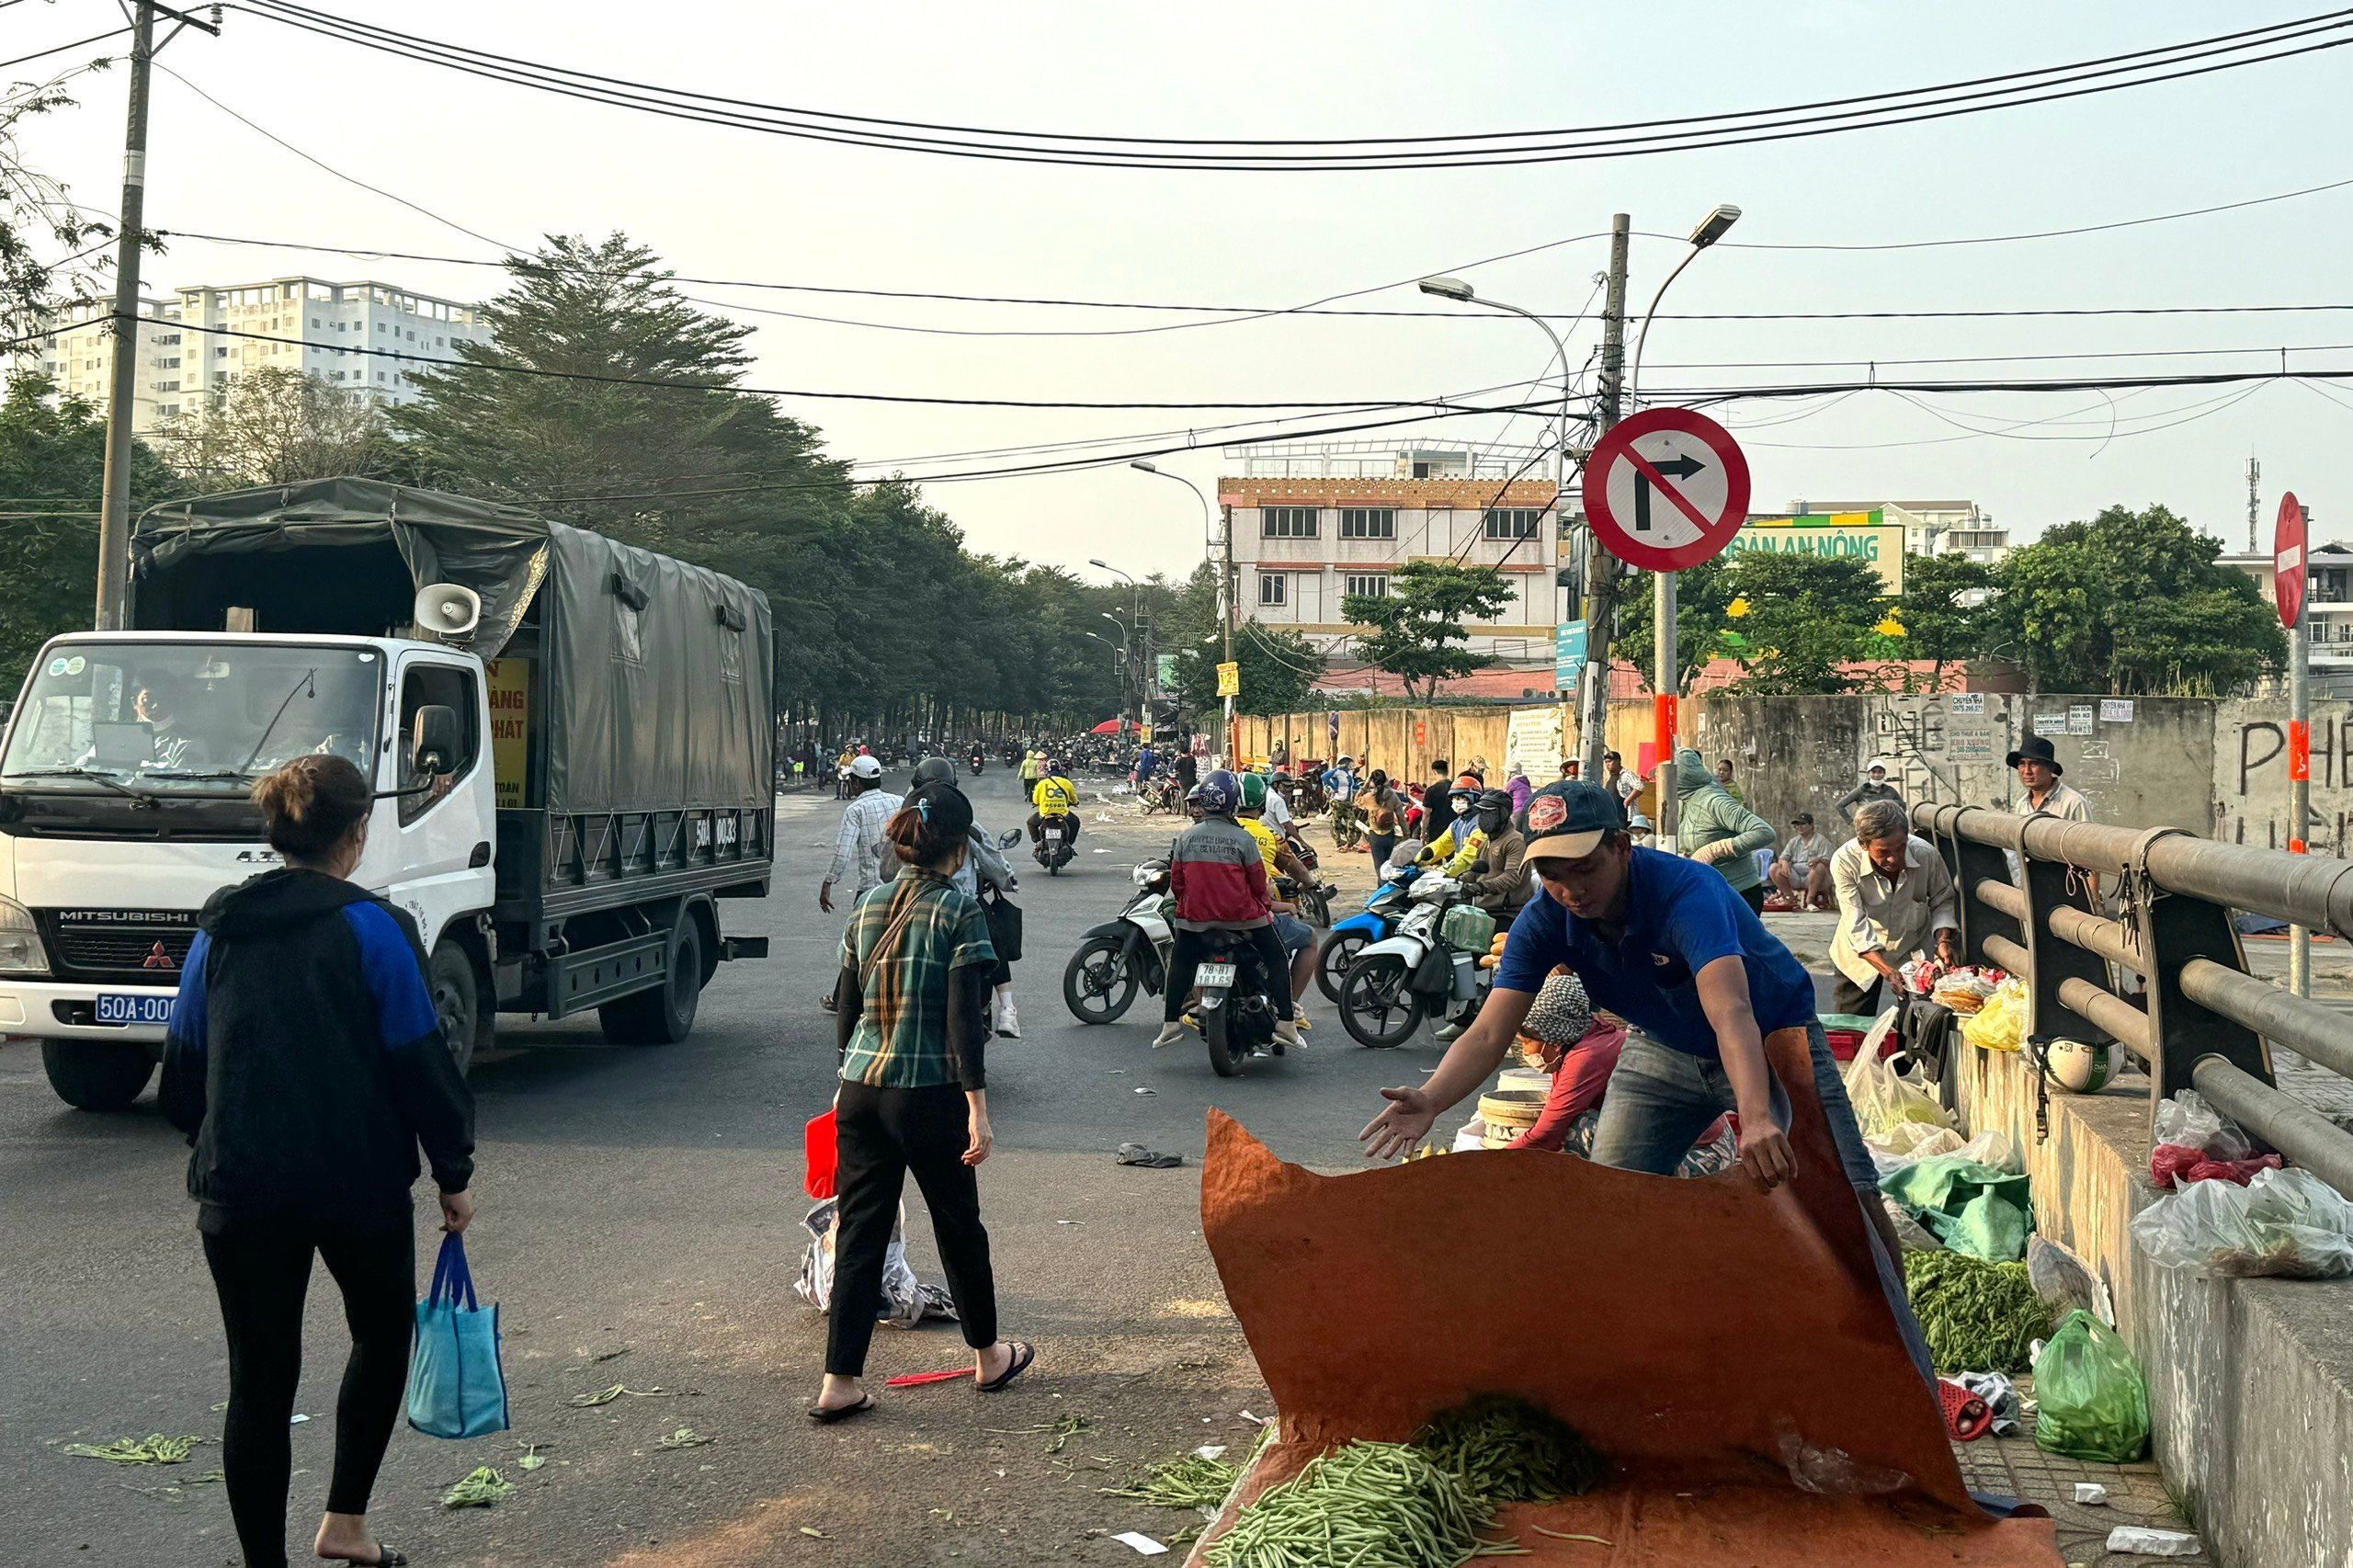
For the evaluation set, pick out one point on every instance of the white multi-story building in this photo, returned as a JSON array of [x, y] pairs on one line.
[[2328, 610], [351, 334], [1310, 525], [1930, 527]]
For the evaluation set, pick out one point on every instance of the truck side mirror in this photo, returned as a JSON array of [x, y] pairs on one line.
[[433, 740]]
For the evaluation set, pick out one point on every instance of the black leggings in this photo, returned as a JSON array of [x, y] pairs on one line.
[[879, 1136], [1185, 956], [261, 1267]]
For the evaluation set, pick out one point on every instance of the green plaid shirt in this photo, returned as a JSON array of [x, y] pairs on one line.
[[901, 1041]]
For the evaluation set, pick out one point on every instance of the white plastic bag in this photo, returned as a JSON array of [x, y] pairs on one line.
[[905, 1300], [2288, 1223], [1884, 1099], [2061, 1277], [2189, 1122], [1995, 1148]]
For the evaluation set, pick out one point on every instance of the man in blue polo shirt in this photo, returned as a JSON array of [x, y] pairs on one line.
[[1668, 946]]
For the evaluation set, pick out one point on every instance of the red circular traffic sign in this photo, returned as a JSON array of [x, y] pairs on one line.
[[2287, 560], [1665, 489]]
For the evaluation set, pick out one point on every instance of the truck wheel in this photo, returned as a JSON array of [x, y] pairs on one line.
[[665, 1013], [97, 1075], [457, 1004]]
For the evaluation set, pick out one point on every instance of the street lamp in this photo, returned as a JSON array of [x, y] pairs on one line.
[[1226, 606], [1664, 685], [1135, 615]]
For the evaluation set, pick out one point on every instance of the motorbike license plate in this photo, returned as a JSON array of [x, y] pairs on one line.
[[1214, 974], [122, 1007]]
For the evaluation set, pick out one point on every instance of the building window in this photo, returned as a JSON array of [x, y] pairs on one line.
[[222, 352], [1368, 522], [1370, 584], [1274, 588], [1287, 522], [1513, 522]]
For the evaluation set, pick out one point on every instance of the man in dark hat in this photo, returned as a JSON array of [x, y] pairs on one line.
[[2041, 793]]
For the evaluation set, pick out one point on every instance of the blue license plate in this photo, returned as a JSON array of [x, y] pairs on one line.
[[121, 1007]]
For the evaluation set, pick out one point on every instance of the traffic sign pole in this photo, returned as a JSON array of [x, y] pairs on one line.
[[2289, 578]]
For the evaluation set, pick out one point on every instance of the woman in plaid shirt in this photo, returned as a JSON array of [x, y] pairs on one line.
[[912, 1019]]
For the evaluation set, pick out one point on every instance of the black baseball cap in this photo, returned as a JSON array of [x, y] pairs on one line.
[[1567, 820], [943, 806]]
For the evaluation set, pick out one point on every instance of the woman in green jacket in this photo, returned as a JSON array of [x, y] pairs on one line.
[[1714, 828]]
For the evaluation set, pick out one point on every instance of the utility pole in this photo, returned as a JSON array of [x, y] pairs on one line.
[[114, 506], [2254, 472], [2299, 718], [1600, 566], [1229, 608]]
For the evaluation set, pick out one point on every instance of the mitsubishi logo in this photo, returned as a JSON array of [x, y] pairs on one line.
[[158, 958]]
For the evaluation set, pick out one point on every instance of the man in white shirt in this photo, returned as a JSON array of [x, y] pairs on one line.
[[1894, 897], [1803, 862], [2040, 792], [858, 853]]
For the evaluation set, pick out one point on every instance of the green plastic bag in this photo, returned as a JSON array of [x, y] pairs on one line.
[[1969, 1207], [2092, 1404]]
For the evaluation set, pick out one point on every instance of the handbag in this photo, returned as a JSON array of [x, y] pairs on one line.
[[1004, 917], [456, 1387]]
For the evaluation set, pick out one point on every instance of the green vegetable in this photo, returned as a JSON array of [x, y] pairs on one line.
[[1367, 1505], [1192, 1481], [1977, 1316], [152, 1449], [684, 1437], [1507, 1450], [478, 1490]]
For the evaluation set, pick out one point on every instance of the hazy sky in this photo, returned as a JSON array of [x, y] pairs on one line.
[[512, 163]]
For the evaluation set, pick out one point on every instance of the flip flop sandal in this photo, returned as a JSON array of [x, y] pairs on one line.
[[386, 1557], [1023, 1354], [825, 1417]]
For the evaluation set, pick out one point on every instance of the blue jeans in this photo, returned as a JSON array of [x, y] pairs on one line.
[[1296, 935], [1661, 1099]]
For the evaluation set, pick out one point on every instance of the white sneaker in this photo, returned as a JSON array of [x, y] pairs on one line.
[[1287, 1032], [1009, 1022], [1170, 1034]]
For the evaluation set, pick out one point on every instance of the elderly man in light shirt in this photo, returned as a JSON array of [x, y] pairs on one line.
[[1802, 870], [1894, 898]]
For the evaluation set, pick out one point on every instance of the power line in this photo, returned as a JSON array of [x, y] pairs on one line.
[[1360, 404], [45, 53], [2043, 85], [1253, 312]]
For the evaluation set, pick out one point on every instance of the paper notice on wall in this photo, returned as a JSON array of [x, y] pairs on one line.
[[2079, 719], [2050, 723], [1969, 739], [2114, 710], [1533, 741], [1969, 702]]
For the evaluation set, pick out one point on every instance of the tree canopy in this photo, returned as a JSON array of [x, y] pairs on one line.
[[1418, 628], [1791, 622]]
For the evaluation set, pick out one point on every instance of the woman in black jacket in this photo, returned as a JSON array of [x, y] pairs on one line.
[[305, 1062]]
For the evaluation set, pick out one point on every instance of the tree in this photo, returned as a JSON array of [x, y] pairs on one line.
[[1417, 627], [1278, 669], [1702, 595], [278, 425], [1791, 622], [54, 457], [2132, 603], [36, 213], [1937, 624]]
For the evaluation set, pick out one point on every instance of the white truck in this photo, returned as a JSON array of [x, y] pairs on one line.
[[571, 739]]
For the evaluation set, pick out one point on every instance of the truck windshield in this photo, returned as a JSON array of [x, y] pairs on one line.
[[199, 718]]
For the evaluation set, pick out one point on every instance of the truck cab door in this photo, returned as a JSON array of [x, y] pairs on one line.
[[441, 868]]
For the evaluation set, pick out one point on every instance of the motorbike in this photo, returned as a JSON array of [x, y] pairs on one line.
[[1314, 898], [977, 761], [1376, 922], [1427, 967], [1126, 954], [1054, 849]]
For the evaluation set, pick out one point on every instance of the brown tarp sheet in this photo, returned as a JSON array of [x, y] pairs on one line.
[[1713, 1340]]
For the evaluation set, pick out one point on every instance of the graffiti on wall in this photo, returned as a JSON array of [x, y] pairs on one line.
[[2251, 789]]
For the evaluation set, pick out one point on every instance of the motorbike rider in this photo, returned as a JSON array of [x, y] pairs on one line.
[[1297, 935], [1495, 880], [1147, 764], [984, 867], [1451, 849], [977, 757], [1219, 880], [1055, 797]]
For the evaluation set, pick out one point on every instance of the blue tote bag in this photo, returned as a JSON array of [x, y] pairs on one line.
[[455, 1386]]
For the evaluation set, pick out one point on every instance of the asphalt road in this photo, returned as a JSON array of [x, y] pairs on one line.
[[640, 1223]]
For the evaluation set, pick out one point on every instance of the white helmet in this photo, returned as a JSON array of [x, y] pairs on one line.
[[2078, 1068], [865, 768]]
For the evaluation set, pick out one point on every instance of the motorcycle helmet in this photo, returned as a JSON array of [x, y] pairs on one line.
[[1495, 810], [1254, 792], [1466, 789], [865, 766], [932, 770], [1219, 793]]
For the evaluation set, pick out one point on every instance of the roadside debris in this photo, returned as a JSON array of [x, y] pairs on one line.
[[1137, 1155], [2152, 1543], [152, 1449], [606, 1396], [480, 1489], [2091, 1494], [1192, 1481], [532, 1458], [684, 1437], [1977, 1316], [1143, 1544]]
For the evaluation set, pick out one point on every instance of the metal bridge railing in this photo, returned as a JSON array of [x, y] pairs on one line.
[[2196, 1018]]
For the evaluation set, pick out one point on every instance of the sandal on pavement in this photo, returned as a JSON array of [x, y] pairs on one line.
[[825, 1417], [386, 1557], [1023, 1354]]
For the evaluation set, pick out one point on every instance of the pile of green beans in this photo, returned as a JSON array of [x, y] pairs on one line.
[[1977, 1316], [1192, 1481], [1367, 1504], [1507, 1450]]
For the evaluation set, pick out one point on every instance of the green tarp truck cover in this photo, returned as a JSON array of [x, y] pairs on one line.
[[658, 675]]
